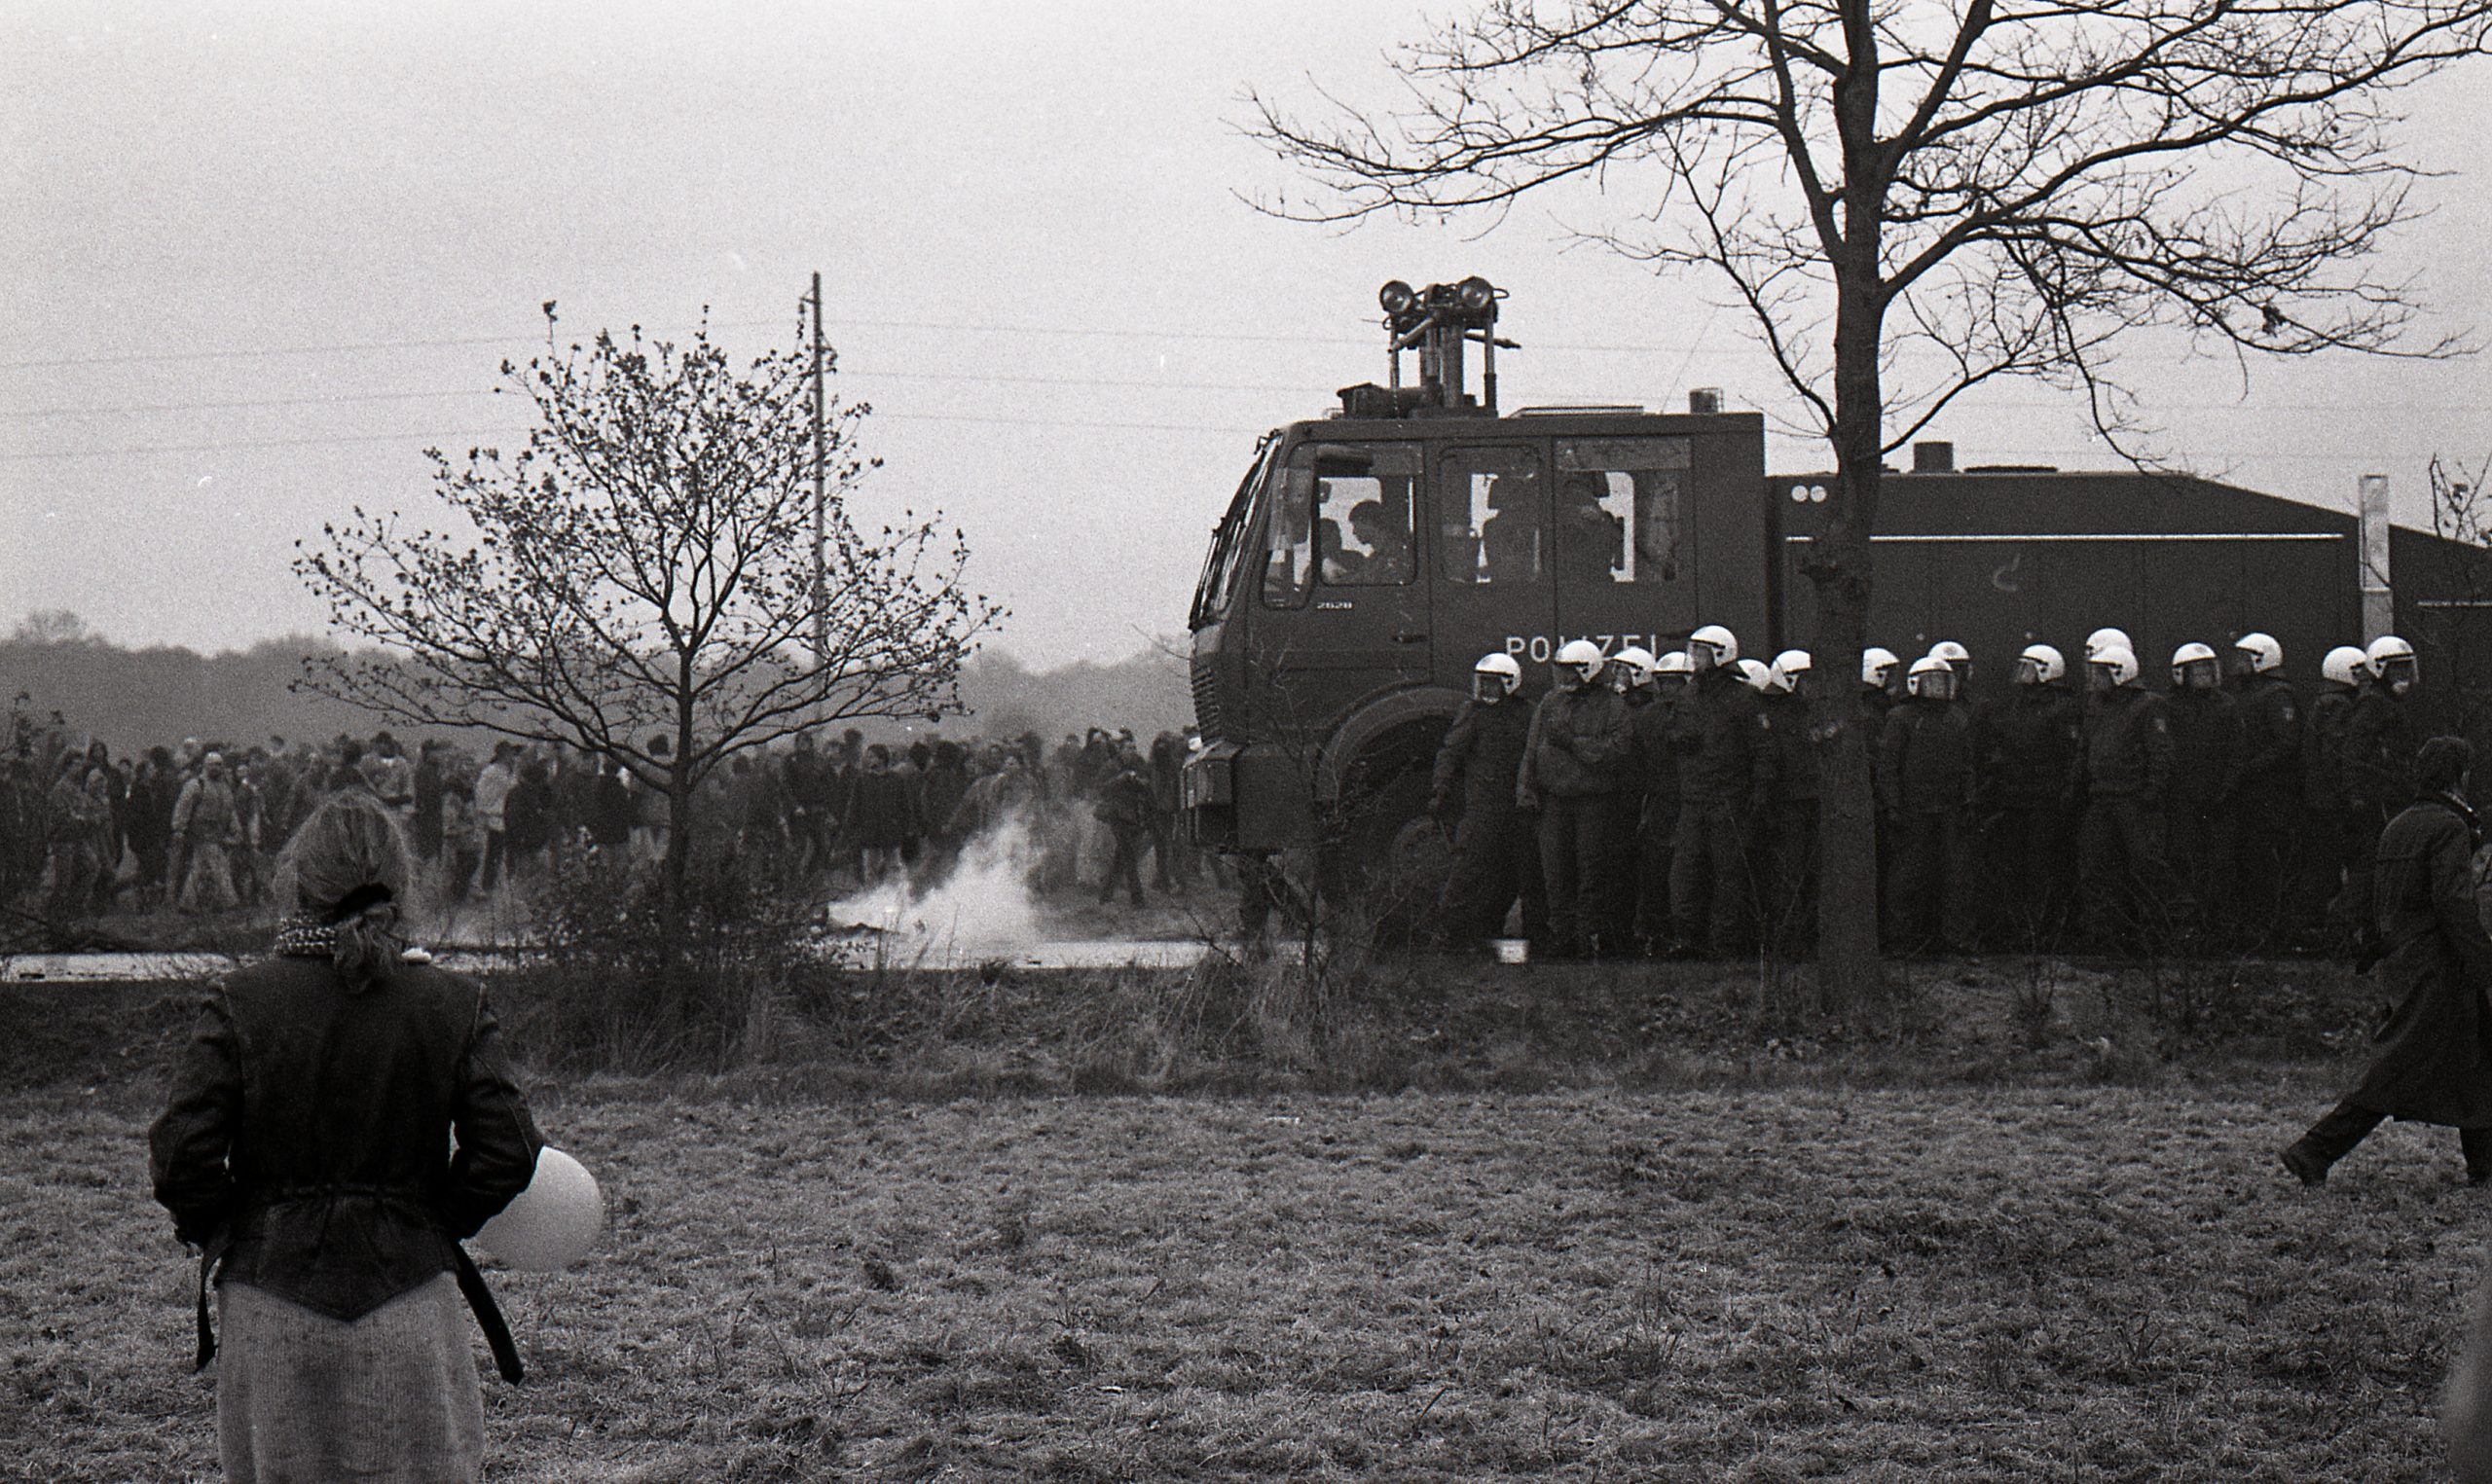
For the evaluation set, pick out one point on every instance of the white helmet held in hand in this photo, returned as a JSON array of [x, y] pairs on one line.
[[1495, 668], [2344, 665], [1756, 673], [1876, 663], [1724, 645], [2041, 663], [2107, 639], [2264, 653], [1581, 658], [2118, 660]]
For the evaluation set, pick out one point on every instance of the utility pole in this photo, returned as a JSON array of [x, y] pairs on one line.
[[821, 610]]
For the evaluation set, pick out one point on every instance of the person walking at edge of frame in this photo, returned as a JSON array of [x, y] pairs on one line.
[[2435, 1061], [305, 1152]]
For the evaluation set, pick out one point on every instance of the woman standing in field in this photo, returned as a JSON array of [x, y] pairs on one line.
[[303, 1151], [2435, 1064]]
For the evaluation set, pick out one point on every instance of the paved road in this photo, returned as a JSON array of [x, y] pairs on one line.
[[893, 952]]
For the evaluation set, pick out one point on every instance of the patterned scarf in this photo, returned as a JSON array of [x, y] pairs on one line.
[[305, 936]]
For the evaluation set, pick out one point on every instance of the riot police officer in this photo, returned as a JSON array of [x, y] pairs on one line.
[[2207, 747], [2378, 762], [2329, 801], [1576, 765], [1657, 821], [1925, 777], [1725, 776], [1496, 857], [1792, 871], [2122, 778], [2030, 741], [2267, 808]]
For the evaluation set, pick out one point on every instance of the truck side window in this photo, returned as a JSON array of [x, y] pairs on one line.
[[1621, 509], [1489, 517], [1288, 562], [1365, 533]]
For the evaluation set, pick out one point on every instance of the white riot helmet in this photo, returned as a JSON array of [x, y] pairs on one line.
[[2191, 653], [1931, 676], [1675, 666], [2390, 660], [1877, 664], [1499, 668], [2263, 652], [1959, 659], [2344, 665], [1756, 673], [2119, 660], [1788, 666], [1722, 641], [2041, 664], [2107, 639], [1581, 658], [1633, 664]]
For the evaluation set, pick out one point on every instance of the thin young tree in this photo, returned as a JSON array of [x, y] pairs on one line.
[[639, 580], [1911, 200]]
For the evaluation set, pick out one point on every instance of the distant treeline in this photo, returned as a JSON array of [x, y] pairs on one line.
[[138, 697]]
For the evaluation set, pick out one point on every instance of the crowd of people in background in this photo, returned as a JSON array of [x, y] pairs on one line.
[[1669, 805], [195, 827]]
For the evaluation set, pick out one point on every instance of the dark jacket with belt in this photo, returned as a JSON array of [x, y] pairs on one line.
[[307, 1131], [2271, 772], [2208, 748], [2435, 1060], [1926, 758]]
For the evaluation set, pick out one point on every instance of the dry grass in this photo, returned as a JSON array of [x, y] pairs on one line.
[[1782, 1280]]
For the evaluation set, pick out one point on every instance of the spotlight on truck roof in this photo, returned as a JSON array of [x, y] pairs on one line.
[[1477, 293], [1397, 298]]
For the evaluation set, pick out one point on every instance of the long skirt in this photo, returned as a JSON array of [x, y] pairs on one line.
[[303, 1398]]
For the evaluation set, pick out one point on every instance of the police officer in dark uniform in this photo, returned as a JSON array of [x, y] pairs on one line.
[[1724, 777], [1926, 774], [2327, 800], [1496, 854], [1791, 876], [2030, 741], [1576, 765], [2122, 778], [1657, 824], [2207, 749], [2267, 808], [2380, 744]]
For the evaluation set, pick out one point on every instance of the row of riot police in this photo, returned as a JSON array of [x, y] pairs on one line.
[[1670, 804]]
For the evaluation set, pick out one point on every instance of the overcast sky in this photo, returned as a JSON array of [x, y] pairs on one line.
[[257, 257]]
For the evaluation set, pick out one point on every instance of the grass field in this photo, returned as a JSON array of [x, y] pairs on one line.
[[1811, 1268]]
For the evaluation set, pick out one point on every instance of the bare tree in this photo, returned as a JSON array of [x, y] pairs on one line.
[[640, 581], [1912, 201]]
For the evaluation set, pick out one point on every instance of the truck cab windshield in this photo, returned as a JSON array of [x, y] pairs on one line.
[[1229, 543]]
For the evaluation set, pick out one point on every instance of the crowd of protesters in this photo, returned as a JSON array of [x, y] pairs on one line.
[[194, 828]]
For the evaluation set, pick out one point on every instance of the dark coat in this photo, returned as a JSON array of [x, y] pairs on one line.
[[1481, 758], [2435, 1060], [1795, 757], [1724, 743], [1927, 758], [2271, 723], [2030, 742], [1582, 744], [2379, 750], [309, 1130], [2323, 751], [2128, 748], [881, 813], [2208, 748]]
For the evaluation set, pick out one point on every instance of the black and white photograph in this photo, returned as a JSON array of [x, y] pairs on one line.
[[1485, 739]]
